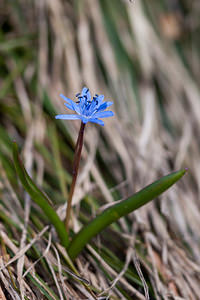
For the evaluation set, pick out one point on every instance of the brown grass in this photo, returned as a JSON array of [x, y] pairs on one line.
[[144, 57]]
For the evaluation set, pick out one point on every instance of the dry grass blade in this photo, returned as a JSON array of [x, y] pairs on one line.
[[144, 56], [21, 252], [113, 273], [137, 266]]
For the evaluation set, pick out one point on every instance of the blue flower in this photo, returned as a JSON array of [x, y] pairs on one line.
[[87, 109]]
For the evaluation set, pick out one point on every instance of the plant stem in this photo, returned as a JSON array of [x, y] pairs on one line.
[[77, 157]]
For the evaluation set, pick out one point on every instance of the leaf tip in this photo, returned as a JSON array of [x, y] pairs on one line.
[[182, 172]]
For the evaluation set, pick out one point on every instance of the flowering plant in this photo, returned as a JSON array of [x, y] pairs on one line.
[[86, 108]]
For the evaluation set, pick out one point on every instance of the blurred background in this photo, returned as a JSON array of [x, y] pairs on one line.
[[144, 56]]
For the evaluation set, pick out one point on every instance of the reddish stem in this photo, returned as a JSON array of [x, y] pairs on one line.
[[77, 157]]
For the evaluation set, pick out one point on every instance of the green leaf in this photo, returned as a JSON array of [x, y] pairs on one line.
[[121, 209], [43, 287], [39, 197]]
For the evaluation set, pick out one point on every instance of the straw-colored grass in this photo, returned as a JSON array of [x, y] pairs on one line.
[[144, 56]]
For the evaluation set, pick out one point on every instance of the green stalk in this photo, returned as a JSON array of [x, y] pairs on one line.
[[119, 210], [39, 197]]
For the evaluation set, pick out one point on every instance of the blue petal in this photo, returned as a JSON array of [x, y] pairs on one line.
[[68, 117], [92, 108], [69, 106], [100, 97], [99, 100], [86, 92], [104, 106], [74, 106], [109, 103], [94, 120], [66, 99], [84, 120], [104, 114]]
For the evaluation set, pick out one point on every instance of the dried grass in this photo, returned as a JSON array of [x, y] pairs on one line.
[[138, 55]]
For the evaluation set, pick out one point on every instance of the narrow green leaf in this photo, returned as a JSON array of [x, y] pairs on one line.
[[39, 197], [43, 287], [121, 209]]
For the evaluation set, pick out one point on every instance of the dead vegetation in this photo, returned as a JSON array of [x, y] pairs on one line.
[[144, 56]]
